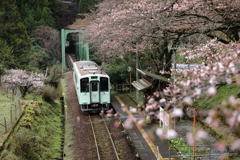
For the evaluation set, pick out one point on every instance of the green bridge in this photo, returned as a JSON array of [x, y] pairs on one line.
[[72, 42]]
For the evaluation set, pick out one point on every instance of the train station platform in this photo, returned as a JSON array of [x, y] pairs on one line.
[[147, 148]]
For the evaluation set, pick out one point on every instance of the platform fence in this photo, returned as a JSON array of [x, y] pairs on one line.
[[198, 153], [11, 110], [123, 88]]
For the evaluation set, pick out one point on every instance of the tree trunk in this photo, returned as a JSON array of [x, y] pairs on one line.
[[23, 90]]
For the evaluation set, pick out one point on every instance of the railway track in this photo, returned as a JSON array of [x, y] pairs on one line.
[[105, 147], [70, 59]]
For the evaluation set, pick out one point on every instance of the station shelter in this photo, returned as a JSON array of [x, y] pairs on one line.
[[150, 83]]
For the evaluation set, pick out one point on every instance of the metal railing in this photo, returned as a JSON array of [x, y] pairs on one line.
[[9, 119], [11, 111], [123, 88], [206, 152]]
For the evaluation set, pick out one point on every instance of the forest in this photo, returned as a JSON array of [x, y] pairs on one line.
[[29, 31]]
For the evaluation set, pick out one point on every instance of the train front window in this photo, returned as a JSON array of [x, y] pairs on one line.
[[103, 84], [94, 86], [84, 85]]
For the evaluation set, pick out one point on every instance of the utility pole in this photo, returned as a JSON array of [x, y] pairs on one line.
[[194, 131], [130, 72], [136, 70], [174, 77], [188, 53]]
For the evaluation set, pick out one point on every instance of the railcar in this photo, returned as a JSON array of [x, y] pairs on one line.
[[92, 86]]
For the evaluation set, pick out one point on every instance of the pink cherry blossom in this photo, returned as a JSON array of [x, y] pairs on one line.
[[160, 133], [147, 26], [201, 134], [211, 91], [177, 112], [128, 123], [220, 146], [235, 145], [188, 100], [116, 124], [190, 138], [171, 134]]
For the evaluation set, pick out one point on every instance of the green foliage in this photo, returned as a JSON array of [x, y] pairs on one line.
[[36, 57], [85, 6], [95, 57], [38, 12], [49, 93], [54, 75], [181, 121], [38, 100], [43, 140], [207, 103], [129, 59], [183, 60], [117, 71], [49, 39], [6, 54], [181, 146], [2, 71], [61, 87], [13, 32], [29, 96], [28, 117], [140, 100], [18, 19]]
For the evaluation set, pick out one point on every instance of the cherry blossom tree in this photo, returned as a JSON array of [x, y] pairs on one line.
[[23, 80], [154, 26], [221, 65]]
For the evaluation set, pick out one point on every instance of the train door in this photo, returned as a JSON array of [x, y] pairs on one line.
[[95, 92], [84, 97], [104, 90]]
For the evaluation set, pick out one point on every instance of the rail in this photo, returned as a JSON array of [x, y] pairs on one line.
[[95, 139], [109, 134], [102, 151]]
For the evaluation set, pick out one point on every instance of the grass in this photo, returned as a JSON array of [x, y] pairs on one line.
[[4, 113], [140, 97], [181, 146], [68, 142], [5, 106], [207, 103], [42, 138], [223, 93], [68, 139], [4, 97]]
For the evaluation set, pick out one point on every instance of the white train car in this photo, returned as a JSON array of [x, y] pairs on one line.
[[92, 85]]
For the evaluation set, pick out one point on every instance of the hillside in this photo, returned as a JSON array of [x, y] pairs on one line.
[[221, 133], [223, 93]]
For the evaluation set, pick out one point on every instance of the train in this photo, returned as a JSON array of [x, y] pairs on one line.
[[92, 86]]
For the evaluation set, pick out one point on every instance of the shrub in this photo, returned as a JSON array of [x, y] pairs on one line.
[[49, 93], [27, 145], [54, 76]]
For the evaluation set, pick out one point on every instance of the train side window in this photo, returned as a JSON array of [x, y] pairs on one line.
[[94, 86], [84, 85], [104, 84]]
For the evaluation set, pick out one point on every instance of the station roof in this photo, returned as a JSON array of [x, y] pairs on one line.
[[142, 84]]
